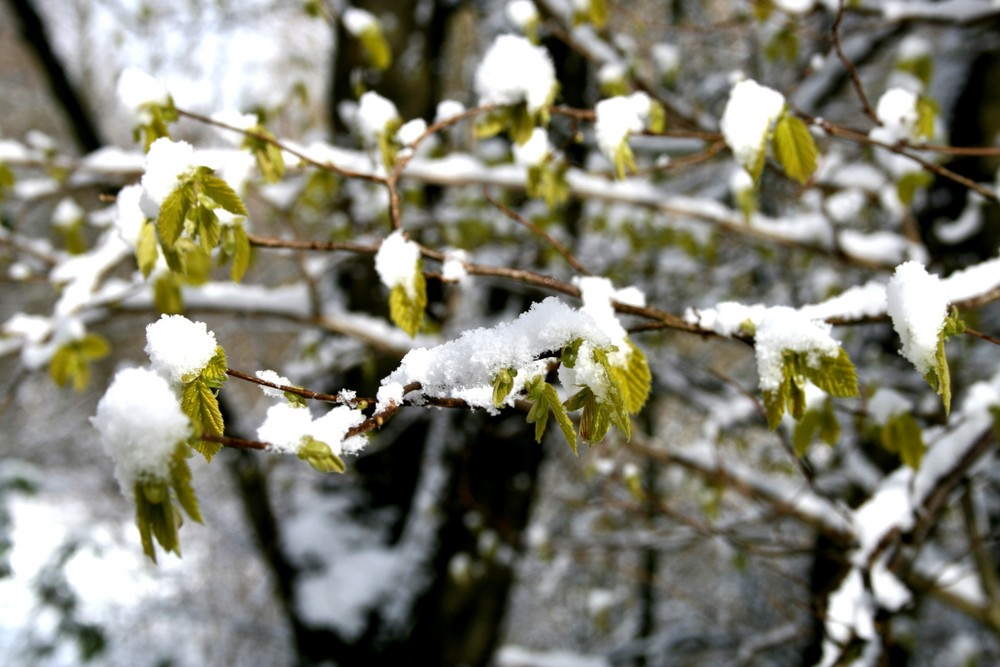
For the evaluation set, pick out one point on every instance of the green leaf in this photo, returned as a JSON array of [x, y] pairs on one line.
[[200, 404], [167, 294], [6, 179], [816, 423], [909, 182], [939, 377], [834, 375], [146, 253], [214, 374], [598, 13], [406, 312], [241, 254], [73, 239], [219, 191], [503, 383], [93, 346], [173, 212], [522, 125], [545, 399], [156, 517], [902, 435], [762, 9], [784, 45], [794, 148], [207, 448], [634, 381], [320, 456], [624, 159], [921, 67], [180, 479], [492, 123], [376, 47], [70, 363], [570, 352], [927, 113]]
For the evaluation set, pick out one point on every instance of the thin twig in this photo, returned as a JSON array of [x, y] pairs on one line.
[[851, 69], [538, 231]]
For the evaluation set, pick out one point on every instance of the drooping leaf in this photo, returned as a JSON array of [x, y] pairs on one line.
[[927, 113], [241, 254], [921, 66], [834, 375], [624, 159], [167, 294], [220, 192], [207, 448], [377, 49], [173, 212], [522, 125], [544, 399], [817, 423], [180, 478], [635, 381], [783, 45], [209, 230], [406, 312], [146, 253], [200, 404], [214, 374], [794, 148], [492, 123], [910, 182], [902, 435]]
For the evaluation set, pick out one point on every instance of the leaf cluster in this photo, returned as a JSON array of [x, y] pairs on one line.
[[156, 506], [70, 363], [835, 375]]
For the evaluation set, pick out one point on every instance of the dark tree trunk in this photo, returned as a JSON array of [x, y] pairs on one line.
[[81, 121]]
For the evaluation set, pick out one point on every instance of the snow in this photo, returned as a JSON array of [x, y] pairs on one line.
[[795, 6], [357, 21], [411, 131], [129, 217], [667, 58], [179, 348], [918, 306], [781, 329], [747, 119], [517, 656], [137, 90], [885, 403], [166, 163], [234, 119], [390, 393], [374, 114], [617, 117], [513, 71], [140, 422], [849, 608], [273, 378], [448, 109], [67, 214], [534, 150], [881, 247], [465, 367], [285, 428], [897, 111], [453, 268], [521, 13], [396, 262]]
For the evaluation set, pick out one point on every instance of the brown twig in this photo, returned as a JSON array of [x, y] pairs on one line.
[[851, 69]]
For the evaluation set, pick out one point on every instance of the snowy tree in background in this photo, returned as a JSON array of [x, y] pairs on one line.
[[731, 267]]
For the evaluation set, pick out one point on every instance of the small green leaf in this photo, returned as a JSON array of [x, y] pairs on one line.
[[624, 159], [522, 125], [241, 254], [570, 352], [902, 435], [910, 182], [73, 239], [762, 9], [544, 399], [320, 456], [173, 212], [406, 312], [200, 404], [794, 148], [816, 423], [156, 517], [214, 374], [207, 448], [220, 192], [598, 13], [180, 478], [927, 113], [503, 383], [834, 375], [921, 67], [167, 294], [634, 381], [784, 45], [376, 47], [657, 117], [93, 346], [492, 123], [145, 252]]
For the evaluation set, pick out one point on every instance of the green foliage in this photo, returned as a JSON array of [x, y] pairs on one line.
[[388, 146], [794, 148], [624, 159], [783, 45], [818, 423], [634, 381], [544, 399], [320, 456], [910, 182], [268, 156], [548, 181], [594, 13], [167, 296], [406, 311], [160, 116], [927, 113], [156, 515], [234, 247], [201, 404], [939, 377], [922, 67], [6, 179], [73, 239], [145, 252], [902, 435], [516, 119], [70, 363], [835, 375], [762, 9], [173, 213], [503, 383], [377, 49]]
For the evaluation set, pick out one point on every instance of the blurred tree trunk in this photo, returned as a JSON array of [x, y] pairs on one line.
[[73, 105]]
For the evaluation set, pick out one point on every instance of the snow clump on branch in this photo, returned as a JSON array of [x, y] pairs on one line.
[[617, 117], [918, 307], [750, 113], [396, 262], [513, 71], [140, 422], [179, 348], [166, 164], [286, 428], [137, 91]]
